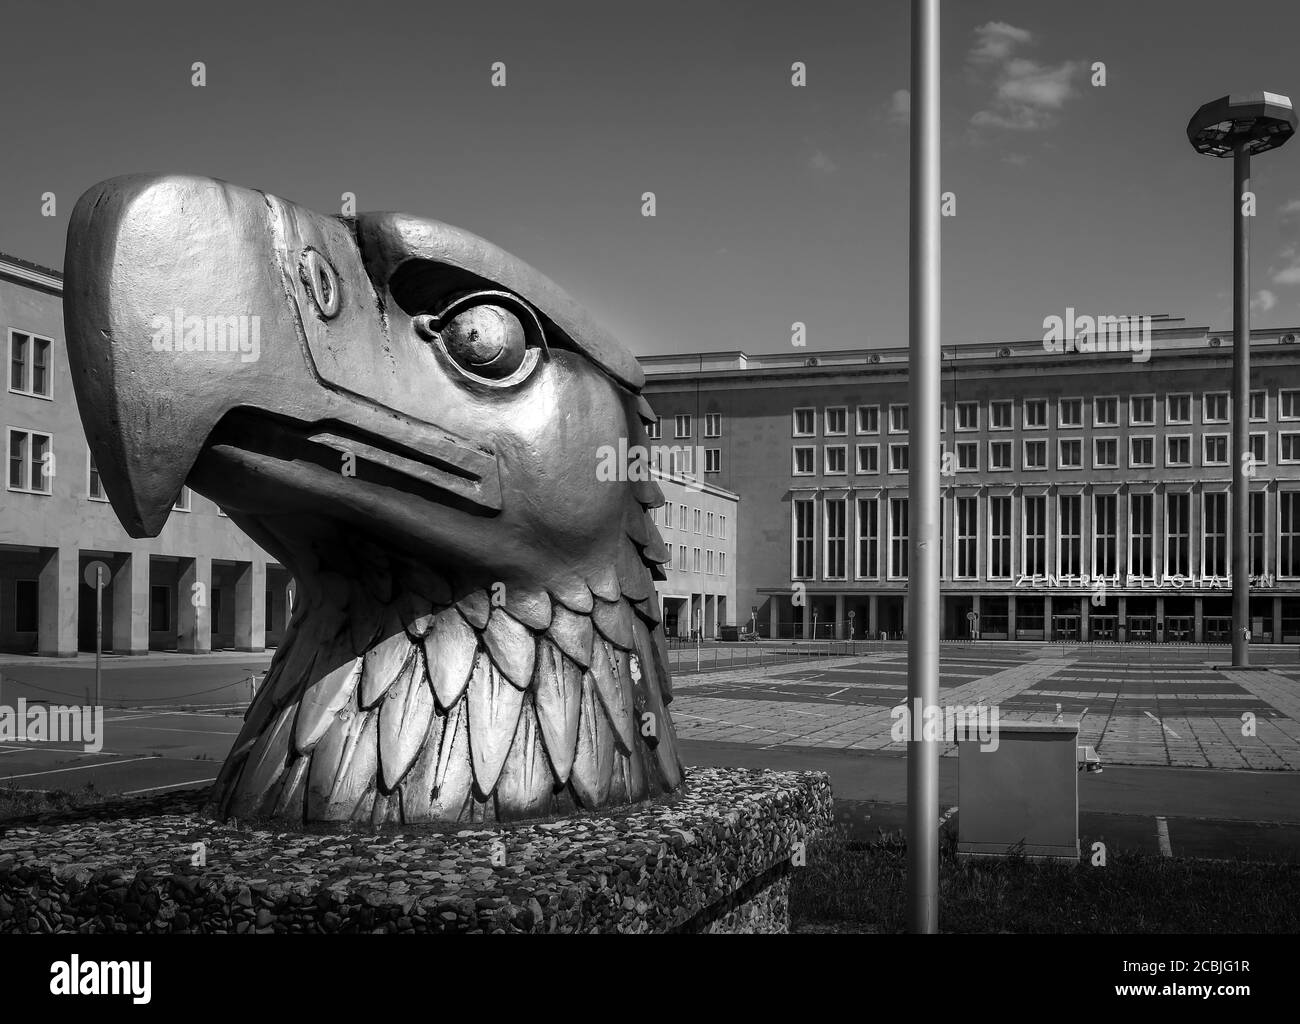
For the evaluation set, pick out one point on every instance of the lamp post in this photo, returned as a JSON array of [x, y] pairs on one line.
[[1240, 126]]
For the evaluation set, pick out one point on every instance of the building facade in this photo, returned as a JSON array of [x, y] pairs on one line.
[[201, 584], [698, 525], [1086, 495]]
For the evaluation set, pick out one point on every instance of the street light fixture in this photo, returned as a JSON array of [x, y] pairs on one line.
[[1240, 126]]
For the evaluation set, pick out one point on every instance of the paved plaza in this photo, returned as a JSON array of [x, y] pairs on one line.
[[1136, 705]]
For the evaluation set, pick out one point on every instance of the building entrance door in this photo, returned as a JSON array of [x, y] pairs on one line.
[[1142, 628], [1065, 627], [1218, 630], [1178, 629], [1103, 626]]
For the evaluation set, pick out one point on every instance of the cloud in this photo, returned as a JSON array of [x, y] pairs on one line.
[[995, 40], [900, 107], [1015, 159], [1288, 275], [1290, 209], [1263, 301], [821, 163], [1029, 95]]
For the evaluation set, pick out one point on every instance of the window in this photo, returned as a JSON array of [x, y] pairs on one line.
[[94, 486], [805, 422], [999, 455], [683, 426], [868, 419], [160, 609], [804, 526], [836, 535], [698, 520], [1105, 412], [29, 364], [1178, 534], [1215, 548], [1141, 451], [708, 524], [1289, 529], [681, 460], [1035, 511], [1070, 547], [681, 557], [837, 421], [708, 562], [1288, 447], [968, 456], [1035, 413], [182, 501], [1001, 415], [681, 518], [898, 419], [943, 416], [722, 563], [967, 538], [837, 459], [27, 606], [1178, 408], [1142, 410], [1105, 453], [1256, 514], [897, 538], [868, 538], [1069, 412], [30, 461], [1214, 450], [713, 460], [1214, 407], [1259, 448], [655, 428], [1105, 529], [1140, 534], [898, 458], [722, 526], [968, 415], [1035, 455], [1070, 453], [713, 424], [868, 458], [1000, 537], [805, 461], [1178, 450], [695, 559], [1288, 404], [1258, 406]]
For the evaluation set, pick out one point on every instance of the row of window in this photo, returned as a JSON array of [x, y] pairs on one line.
[[683, 426], [708, 523], [26, 605], [992, 526], [1034, 454], [702, 561], [680, 461], [31, 468], [1001, 414]]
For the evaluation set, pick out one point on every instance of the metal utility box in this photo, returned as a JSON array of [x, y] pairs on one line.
[[1023, 794]]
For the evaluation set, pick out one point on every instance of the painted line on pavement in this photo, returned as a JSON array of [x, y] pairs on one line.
[[76, 768], [1162, 837], [174, 785]]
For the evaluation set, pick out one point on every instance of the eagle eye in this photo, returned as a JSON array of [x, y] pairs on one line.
[[491, 337]]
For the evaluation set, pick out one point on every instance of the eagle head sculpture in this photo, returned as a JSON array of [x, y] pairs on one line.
[[411, 421]]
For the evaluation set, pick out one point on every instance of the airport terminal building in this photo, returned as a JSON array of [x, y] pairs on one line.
[[201, 584], [1085, 494]]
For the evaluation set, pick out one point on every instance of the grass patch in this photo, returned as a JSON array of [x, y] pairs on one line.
[[860, 886], [22, 803]]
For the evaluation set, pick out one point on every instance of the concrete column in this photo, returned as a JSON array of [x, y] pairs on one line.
[[1085, 606], [1198, 622], [907, 607], [194, 605], [1047, 602], [1122, 618], [1121, 537], [130, 586], [1162, 633], [1011, 616], [773, 617], [807, 616], [1053, 541], [57, 596], [979, 621], [1087, 542], [872, 626], [840, 631], [1277, 620], [250, 606]]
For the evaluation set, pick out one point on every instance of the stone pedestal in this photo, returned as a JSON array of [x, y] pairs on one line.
[[715, 859]]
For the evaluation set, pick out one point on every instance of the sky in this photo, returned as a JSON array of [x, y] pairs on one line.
[[774, 203]]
